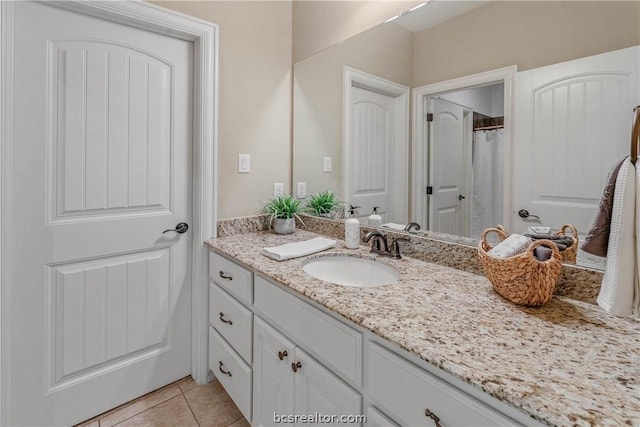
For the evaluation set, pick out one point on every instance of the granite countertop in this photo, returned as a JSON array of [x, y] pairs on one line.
[[566, 363]]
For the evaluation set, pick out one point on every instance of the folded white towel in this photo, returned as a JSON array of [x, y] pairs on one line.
[[620, 280], [394, 226], [512, 245], [298, 249]]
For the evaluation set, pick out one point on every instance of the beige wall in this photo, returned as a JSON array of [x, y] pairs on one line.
[[529, 34], [254, 97], [318, 25], [317, 129]]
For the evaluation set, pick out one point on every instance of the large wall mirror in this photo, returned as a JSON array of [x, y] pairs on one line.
[[462, 115]]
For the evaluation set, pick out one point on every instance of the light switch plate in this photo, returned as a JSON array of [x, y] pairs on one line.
[[244, 163], [278, 189], [301, 190], [327, 164]]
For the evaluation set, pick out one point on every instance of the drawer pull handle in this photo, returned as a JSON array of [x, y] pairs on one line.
[[433, 416], [296, 366], [223, 320], [282, 354], [220, 365], [224, 275]]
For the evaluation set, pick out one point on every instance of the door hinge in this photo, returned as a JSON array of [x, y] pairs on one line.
[[429, 190], [429, 117]]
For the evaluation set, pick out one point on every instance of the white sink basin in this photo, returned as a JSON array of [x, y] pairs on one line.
[[348, 270]]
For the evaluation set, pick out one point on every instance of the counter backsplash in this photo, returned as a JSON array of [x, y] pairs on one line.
[[575, 282]]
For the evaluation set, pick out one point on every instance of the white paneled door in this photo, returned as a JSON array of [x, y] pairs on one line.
[[573, 127], [448, 170], [101, 166]]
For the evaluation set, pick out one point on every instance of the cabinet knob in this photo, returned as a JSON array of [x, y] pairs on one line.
[[433, 416], [225, 275], [296, 366], [220, 365], [223, 320], [282, 354]]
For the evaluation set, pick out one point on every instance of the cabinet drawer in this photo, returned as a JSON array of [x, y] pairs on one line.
[[406, 392], [376, 418], [237, 380], [231, 320], [333, 343], [231, 277]]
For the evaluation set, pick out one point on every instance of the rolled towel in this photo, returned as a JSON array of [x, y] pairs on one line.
[[542, 253], [561, 241], [298, 249], [512, 245]]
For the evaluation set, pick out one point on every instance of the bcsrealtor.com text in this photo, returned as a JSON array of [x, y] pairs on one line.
[[318, 418]]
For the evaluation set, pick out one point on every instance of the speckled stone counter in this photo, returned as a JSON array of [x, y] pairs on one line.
[[566, 363]]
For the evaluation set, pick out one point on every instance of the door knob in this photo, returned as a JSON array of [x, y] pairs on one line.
[[182, 227], [461, 197], [523, 213]]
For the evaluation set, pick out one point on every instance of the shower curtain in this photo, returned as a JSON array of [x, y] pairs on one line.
[[487, 195]]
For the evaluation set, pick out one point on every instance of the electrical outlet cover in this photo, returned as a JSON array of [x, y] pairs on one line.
[[278, 189]]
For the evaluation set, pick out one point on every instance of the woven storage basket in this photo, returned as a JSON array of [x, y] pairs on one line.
[[569, 254], [521, 278]]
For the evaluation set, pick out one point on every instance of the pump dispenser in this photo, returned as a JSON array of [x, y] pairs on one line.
[[352, 229], [375, 220]]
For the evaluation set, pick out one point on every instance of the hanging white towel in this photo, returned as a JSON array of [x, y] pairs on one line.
[[620, 281], [298, 249]]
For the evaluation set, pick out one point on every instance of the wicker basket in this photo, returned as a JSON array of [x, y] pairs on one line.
[[521, 278], [569, 254]]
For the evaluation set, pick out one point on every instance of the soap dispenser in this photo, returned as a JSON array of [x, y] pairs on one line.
[[375, 220], [352, 229]]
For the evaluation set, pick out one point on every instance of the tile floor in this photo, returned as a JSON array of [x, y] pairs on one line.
[[182, 403]]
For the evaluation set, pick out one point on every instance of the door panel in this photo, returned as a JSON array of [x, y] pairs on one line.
[[371, 144], [102, 165], [273, 378], [318, 391], [573, 127], [111, 105], [447, 169]]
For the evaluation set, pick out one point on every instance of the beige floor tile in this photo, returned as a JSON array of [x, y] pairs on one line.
[[139, 405], [187, 384], [171, 413], [241, 423], [212, 406]]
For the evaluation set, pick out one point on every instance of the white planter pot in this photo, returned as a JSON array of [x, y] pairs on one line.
[[284, 226]]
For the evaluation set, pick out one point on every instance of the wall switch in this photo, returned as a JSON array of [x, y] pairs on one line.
[[327, 164], [278, 189], [244, 163], [301, 190]]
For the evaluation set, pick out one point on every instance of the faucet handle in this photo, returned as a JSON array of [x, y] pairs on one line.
[[395, 246]]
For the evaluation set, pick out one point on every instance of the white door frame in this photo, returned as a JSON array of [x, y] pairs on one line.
[[146, 16], [353, 77], [419, 176]]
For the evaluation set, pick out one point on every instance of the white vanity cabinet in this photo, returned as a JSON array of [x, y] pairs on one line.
[[279, 355]]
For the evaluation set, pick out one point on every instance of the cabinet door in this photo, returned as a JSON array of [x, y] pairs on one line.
[[320, 394], [273, 377]]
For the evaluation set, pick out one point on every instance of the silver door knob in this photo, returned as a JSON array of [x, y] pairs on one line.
[[181, 228]]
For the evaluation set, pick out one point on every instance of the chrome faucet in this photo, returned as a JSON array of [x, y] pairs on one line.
[[380, 245], [412, 225]]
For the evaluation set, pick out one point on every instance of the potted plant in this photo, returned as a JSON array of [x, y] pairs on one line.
[[282, 212], [323, 203]]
